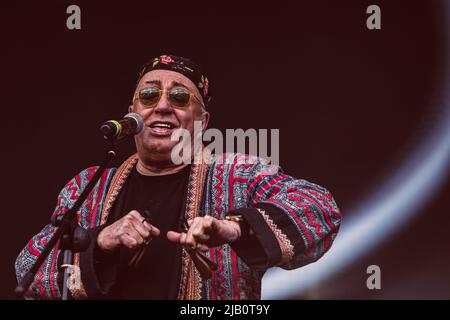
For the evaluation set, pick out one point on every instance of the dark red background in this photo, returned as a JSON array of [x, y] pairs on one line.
[[349, 103]]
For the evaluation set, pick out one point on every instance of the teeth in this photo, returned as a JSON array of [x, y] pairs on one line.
[[162, 125]]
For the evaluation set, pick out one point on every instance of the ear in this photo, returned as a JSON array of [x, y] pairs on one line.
[[130, 108], [205, 119]]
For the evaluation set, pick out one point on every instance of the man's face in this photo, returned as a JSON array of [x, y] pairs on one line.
[[153, 142]]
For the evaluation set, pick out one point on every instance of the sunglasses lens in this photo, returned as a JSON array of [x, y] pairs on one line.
[[179, 97], [149, 96]]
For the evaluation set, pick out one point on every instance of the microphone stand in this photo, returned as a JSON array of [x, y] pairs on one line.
[[73, 237]]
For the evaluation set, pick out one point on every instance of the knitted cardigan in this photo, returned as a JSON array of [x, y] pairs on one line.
[[294, 222]]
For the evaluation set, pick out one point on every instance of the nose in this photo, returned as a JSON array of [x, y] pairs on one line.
[[163, 105]]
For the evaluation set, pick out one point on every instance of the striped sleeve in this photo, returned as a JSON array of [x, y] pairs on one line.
[[46, 283], [295, 221]]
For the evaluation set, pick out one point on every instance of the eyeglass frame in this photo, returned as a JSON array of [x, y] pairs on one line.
[[165, 91]]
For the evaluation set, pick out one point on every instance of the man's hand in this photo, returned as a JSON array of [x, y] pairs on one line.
[[206, 232], [130, 232]]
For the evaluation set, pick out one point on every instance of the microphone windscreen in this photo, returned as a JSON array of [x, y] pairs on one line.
[[139, 121]]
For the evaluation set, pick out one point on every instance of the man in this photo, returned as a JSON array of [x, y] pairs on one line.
[[242, 213]]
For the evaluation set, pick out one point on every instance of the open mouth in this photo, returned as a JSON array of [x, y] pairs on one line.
[[161, 127]]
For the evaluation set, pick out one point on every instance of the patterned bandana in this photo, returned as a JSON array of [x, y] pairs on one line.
[[184, 66]]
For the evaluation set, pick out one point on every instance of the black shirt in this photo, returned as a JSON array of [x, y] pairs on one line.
[[157, 276]]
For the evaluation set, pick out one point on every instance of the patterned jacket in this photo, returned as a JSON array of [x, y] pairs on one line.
[[294, 222]]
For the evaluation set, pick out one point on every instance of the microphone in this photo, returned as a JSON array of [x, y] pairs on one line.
[[130, 125]]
